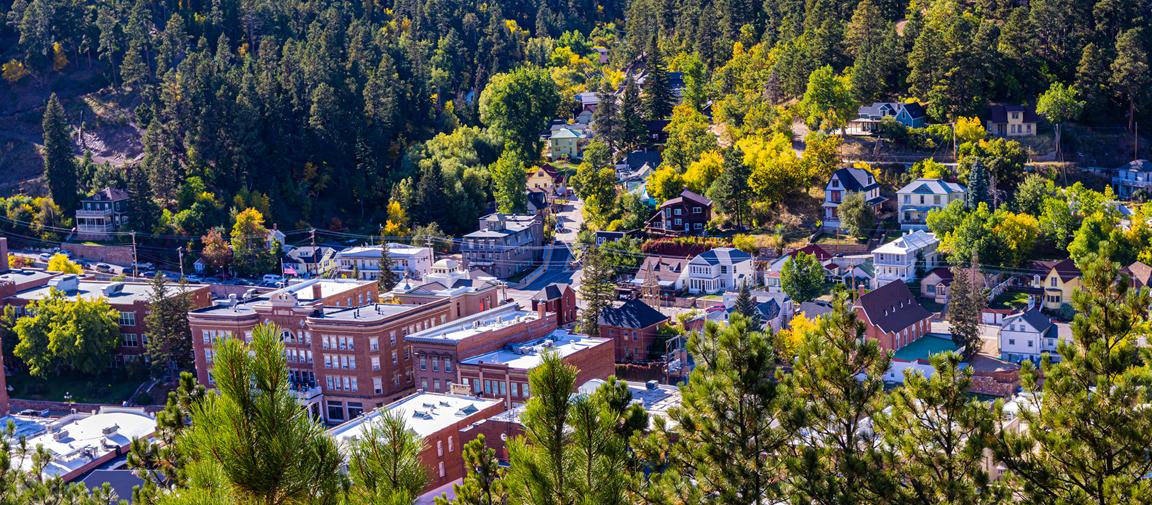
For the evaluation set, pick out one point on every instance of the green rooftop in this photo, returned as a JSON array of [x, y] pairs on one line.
[[932, 343]]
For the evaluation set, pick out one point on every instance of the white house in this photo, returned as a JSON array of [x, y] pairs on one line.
[[364, 262], [721, 269], [1027, 335], [772, 273], [897, 260], [844, 182], [922, 195]]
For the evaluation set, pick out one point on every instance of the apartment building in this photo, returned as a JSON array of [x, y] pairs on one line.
[[504, 244], [346, 353], [131, 300], [920, 196], [364, 262], [439, 419], [900, 259], [101, 214]]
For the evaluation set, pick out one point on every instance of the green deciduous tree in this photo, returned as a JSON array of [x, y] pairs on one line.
[[59, 163], [828, 102], [59, 334], [1059, 105], [802, 277], [857, 216], [689, 136], [518, 105], [509, 181]]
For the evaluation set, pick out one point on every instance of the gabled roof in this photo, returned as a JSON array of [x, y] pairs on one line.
[[723, 256], [537, 200], [855, 179], [1067, 270], [1141, 274], [1137, 166], [914, 110], [1034, 318], [892, 307], [687, 196], [943, 273], [913, 241], [109, 195], [875, 109], [814, 249], [310, 254], [637, 159], [999, 113], [633, 314], [932, 187], [567, 133], [665, 268], [551, 292]]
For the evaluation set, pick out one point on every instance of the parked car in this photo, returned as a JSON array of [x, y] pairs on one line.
[[272, 278], [104, 267], [45, 256], [193, 278]]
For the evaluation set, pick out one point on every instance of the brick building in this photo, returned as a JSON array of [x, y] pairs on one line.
[[503, 374], [635, 327], [559, 299], [440, 419], [129, 299], [892, 316], [439, 350], [346, 353]]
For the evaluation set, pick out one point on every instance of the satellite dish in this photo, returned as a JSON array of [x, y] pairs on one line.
[[503, 437]]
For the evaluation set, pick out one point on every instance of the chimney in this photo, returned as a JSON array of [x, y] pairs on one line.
[[317, 291], [3, 259], [541, 309]]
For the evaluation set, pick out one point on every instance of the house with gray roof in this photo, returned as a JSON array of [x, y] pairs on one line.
[[1027, 335], [869, 117], [844, 182], [915, 199], [504, 244], [718, 270], [900, 259], [1134, 177]]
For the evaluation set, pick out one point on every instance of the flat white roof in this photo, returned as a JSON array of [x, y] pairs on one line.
[[493, 319], [527, 355], [918, 239], [75, 441], [423, 413]]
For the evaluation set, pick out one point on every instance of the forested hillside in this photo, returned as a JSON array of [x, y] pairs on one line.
[[320, 112]]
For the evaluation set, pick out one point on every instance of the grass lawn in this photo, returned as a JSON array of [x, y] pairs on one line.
[[106, 388], [1010, 300]]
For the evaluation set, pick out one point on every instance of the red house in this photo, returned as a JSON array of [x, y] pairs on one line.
[[893, 316], [559, 299], [635, 327]]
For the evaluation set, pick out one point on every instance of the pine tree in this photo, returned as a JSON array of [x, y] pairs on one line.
[[730, 442], [731, 190], [658, 99], [634, 132], [429, 196], [159, 462], [386, 277], [484, 482], [596, 289], [978, 185], [142, 210], [385, 464], [250, 439], [59, 164], [836, 385], [1088, 425], [169, 346], [965, 302], [938, 433], [746, 306], [606, 120]]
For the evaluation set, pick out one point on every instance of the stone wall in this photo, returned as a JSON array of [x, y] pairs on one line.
[[115, 254]]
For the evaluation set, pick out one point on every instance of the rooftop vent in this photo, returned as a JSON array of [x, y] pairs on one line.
[[114, 288], [651, 385], [108, 430]]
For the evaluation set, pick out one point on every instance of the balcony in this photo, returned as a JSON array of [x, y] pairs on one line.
[[94, 213], [307, 394]]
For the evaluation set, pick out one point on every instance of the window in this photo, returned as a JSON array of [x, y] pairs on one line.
[[424, 384], [449, 444], [374, 344], [209, 355], [1011, 341], [697, 210], [447, 365], [130, 340], [441, 465], [436, 385], [127, 319], [1029, 343], [375, 363], [377, 385], [435, 364], [1053, 283], [677, 211], [394, 358], [423, 362]]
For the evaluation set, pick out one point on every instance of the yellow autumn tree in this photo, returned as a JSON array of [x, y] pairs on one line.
[[665, 183], [791, 338], [59, 57], [776, 169], [13, 71], [60, 263], [702, 172], [397, 225], [969, 129]]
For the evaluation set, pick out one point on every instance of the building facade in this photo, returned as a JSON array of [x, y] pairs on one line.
[[101, 214], [901, 259], [364, 262], [892, 316], [505, 244], [635, 329], [844, 182], [1132, 178], [1011, 121], [1027, 335], [1061, 279], [915, 199], [721, 269], [687, 214], [559, 299]]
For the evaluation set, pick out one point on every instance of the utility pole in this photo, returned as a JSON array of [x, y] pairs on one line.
[[315, 257], [180, 252], [135, 260]]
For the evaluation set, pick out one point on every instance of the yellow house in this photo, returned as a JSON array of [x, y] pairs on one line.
[[1058, 284], [1011, 121], [545, 178]]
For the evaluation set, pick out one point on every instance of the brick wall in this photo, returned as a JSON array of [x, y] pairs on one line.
[[115, 254], [634, 346], [443, 448]]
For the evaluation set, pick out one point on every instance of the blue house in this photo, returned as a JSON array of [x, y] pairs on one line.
[[868, 118]]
